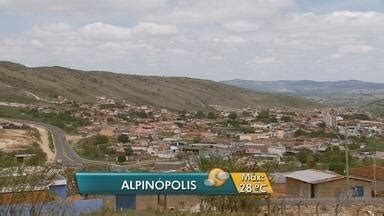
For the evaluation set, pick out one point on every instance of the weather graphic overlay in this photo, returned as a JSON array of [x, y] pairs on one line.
[[216, 177], [216, 181]]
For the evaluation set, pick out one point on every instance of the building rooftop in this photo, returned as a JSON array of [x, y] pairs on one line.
[[314, 176]]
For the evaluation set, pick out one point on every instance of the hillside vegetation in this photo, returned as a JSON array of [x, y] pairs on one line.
[[311, 88], [375, 107], [352, 93], [21, 83]]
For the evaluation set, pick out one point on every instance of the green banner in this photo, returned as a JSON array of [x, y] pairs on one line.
[[215, 182]]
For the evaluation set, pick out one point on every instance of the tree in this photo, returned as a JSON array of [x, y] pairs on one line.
[[199, 114], [305, 156], [335, 159], [300, 132], [286, 118], [211, 115], [232, 115], [121, 158], [142, 114], [101, 139], [196, 139], [124, 138], [273, 119], [263, 116], [247, 130], [128, 151], [233, 123]]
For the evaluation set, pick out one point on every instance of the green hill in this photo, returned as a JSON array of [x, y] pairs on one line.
[[21, 83], [376, 107]]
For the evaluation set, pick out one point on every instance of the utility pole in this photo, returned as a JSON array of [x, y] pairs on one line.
[[374, 174], [346, 159]]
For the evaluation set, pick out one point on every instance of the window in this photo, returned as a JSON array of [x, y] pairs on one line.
[[358, 191]]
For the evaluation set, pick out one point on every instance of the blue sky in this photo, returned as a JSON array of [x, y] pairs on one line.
[[211, 39]]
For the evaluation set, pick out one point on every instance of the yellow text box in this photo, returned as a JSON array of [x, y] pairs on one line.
[[252, 183]]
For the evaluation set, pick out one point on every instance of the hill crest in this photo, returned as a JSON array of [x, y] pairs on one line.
[[174, 93]]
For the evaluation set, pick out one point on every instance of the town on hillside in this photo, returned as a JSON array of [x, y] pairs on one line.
[[307, 154]]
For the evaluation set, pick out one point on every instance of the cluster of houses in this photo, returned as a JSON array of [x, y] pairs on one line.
[[154, 132], [362, 182], [176, 139]]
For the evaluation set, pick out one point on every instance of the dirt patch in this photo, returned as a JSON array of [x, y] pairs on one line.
[[44, 143], [74, 138], [14, 140]]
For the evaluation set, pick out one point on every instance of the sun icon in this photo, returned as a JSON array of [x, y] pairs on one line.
[[216, 177]]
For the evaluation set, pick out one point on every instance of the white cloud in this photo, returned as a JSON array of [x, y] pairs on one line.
[[231, 40], [107, 31], [335, 56], [241, 26], [351, 17], [218, 11], [346, 19], [354, 49], [351, 50], [102, 31], [258, 39], [154, 29], [83, 6], [54, 28], [263, 60]]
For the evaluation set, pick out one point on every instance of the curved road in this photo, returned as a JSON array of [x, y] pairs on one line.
[[66, 156]]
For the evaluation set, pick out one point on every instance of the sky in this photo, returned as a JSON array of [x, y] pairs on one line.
[[208, 39]]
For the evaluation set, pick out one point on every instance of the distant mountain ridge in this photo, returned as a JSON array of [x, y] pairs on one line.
[[310, 87], [18, 82]]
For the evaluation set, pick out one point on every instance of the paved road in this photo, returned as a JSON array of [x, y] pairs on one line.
[[65, 155]]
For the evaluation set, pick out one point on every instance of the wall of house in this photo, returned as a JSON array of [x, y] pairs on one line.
[[368, 186], [336, 188], [379, 187], [125, 201], [298, 188], [59, 190]]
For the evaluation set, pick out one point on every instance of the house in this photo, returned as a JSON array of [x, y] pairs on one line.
[[370, 172], [312, 183], [245, 137], [48, 196], [55, 184], [20, 157], [278, 181], [264, 157]]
